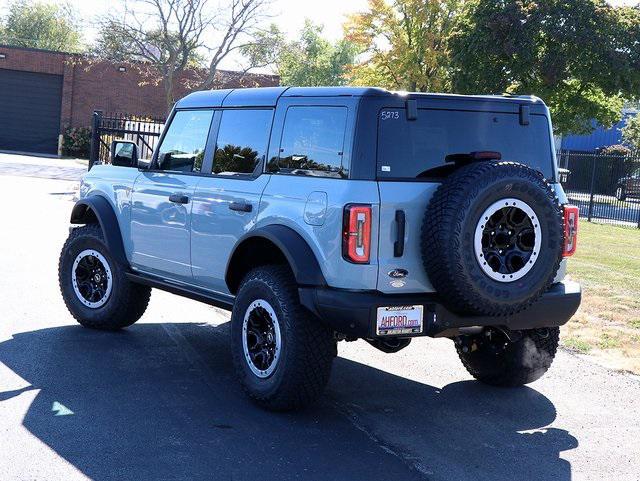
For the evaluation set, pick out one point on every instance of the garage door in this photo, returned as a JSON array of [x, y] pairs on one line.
[[29, 111]]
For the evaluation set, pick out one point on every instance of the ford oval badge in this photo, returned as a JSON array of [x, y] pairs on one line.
[[398, 273]]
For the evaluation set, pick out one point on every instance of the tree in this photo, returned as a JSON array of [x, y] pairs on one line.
[[580, 56], [314, 61], [309, 61], [39, 25], [631, 132], [168, 36], [404, 43]]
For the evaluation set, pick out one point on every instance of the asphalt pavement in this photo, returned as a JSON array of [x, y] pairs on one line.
[[158, 401]]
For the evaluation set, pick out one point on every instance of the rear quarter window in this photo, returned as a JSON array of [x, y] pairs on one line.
[[312, 142], [408, 148]]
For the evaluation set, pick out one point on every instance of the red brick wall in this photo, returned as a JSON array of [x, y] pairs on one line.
[[90, 85]]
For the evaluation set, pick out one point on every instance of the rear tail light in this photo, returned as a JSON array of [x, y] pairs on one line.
[[356, 233], [571, 215]]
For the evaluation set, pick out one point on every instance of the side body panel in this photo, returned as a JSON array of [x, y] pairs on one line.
[[161, 229], [116, 185], [216, 228], [284, 202]]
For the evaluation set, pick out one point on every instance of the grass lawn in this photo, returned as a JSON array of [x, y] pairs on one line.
[[607, 325]]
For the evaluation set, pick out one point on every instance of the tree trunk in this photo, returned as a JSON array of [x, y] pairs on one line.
[[168, 91]]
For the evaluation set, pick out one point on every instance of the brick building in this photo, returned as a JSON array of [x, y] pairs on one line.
[[44, 92]]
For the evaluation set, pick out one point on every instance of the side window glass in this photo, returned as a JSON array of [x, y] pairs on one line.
[[312, 142], [242, 141], [182, 149]]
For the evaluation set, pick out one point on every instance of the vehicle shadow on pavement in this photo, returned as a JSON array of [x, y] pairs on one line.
[[160, 401]]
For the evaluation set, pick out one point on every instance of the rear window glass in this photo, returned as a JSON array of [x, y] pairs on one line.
[[408, 148]]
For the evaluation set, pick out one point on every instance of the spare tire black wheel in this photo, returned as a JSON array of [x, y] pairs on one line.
[[492, 238]]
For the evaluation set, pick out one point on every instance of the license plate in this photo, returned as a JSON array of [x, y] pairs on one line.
[[397, 320]]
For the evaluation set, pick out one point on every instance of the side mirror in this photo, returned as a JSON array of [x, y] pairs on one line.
[[124, 153]]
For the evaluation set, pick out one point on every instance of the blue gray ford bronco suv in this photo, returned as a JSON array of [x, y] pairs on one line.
[[325, 214]]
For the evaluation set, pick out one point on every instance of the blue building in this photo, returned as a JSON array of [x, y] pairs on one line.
[[599, 138]]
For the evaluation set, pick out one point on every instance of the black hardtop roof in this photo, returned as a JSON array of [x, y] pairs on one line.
[[269, 96]]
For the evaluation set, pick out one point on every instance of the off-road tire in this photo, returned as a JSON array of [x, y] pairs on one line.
[[127, 301], [308, 346], [449, 225], [519, 363]]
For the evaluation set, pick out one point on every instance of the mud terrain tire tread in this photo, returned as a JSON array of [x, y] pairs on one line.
[[443, 255], [127, 302], [308, 347]]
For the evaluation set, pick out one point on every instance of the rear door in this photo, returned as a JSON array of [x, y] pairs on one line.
[[227, 200], [410, 158], [162, 198]]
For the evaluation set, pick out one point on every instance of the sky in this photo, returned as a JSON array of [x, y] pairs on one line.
[[289, 15]]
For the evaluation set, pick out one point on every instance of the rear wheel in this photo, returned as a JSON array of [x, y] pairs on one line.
[[500, 360], [94, 287], [282, 353]]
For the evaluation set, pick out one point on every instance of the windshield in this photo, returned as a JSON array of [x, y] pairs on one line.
[[409, 148]]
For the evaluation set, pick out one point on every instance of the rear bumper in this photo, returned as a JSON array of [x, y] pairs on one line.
[[353, 313]]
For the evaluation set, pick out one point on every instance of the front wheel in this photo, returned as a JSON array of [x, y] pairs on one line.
[[282, 353], [493, 358], [94, 287]]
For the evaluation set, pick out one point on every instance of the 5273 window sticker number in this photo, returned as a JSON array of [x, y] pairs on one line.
[[389, 115]]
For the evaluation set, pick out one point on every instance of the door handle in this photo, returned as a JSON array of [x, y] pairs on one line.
[[398, 245], [241, 206], [179, 199]]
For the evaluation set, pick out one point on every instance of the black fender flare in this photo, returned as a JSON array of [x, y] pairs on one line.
[[106, 217], [296, 250]]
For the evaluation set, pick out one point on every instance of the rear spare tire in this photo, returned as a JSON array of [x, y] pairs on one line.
[[492, 238]]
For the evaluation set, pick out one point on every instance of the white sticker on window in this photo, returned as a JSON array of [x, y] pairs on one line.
[[389, 115], [386, 168]]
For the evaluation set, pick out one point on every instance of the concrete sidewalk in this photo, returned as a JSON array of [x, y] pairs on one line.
[[42, 167]]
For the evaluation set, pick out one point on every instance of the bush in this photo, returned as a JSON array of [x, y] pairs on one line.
[[620, 150], [77, 142]]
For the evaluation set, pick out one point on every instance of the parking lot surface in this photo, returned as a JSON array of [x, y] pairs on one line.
[[158, 401]]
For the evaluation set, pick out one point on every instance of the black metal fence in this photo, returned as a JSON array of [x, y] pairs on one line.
[[606, 188], [144, 131]]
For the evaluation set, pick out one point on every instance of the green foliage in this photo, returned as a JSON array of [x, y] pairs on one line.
[[41, 25], [616, 150], [577, 344], [631, 132], [404, 44], [76, 142], [580, 56], [308, 61], [111, 44], [265, 48]]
